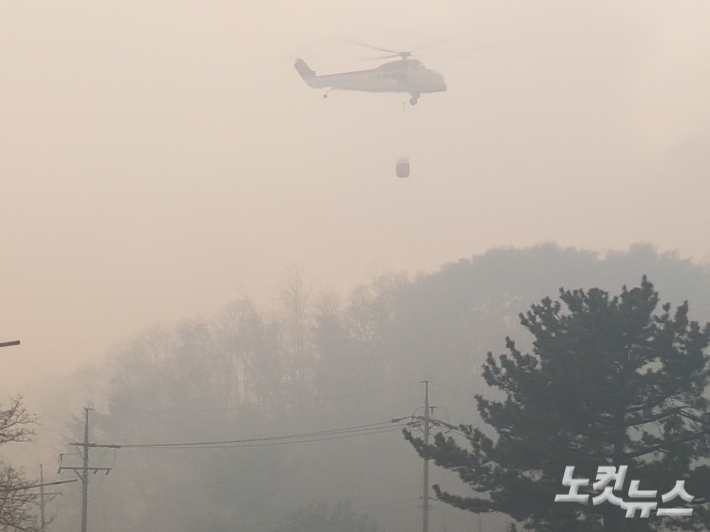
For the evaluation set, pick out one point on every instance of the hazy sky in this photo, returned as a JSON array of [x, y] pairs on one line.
[[158, 158]]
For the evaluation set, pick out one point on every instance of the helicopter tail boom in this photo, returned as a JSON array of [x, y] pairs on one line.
[[305, 71]]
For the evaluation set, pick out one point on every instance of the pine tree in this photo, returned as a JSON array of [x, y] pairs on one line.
[[609, 382]]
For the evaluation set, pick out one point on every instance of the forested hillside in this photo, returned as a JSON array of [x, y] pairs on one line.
[[311, 363]]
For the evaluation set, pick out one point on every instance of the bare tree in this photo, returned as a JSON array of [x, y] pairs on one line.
[[16, 497], [15, 423], [295, 298]]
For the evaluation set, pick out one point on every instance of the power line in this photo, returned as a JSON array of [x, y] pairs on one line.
[[267, 444], [208, 445], [305, 437], [41, 484]]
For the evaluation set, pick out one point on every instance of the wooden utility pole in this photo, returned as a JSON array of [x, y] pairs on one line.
[[83, 471], [425, 483], [41, 498], [85, 475], [47, 496]]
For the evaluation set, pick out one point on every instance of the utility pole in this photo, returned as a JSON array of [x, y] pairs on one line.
[[41, 498], [428, 420], [425, 484], [85, 475], [83, 471], [44, 496]]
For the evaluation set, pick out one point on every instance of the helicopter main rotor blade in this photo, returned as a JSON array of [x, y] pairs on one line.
[[376, 47], [404, 54], [380, 57]]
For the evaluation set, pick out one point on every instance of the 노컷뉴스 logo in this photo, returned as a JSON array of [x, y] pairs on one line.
[[605, 474]]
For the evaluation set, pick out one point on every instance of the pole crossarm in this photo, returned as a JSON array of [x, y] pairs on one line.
[[437, 422], [80, 470], [95, 445]]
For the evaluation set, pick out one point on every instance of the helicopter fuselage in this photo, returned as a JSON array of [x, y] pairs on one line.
[[404, 75]]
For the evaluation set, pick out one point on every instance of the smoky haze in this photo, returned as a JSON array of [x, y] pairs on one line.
[[159, 159], [290, 377]]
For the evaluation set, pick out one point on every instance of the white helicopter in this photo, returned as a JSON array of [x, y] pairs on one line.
[[404, 75]]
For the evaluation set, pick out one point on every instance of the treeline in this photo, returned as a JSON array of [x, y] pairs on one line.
[[310, 363]]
